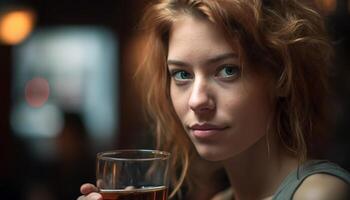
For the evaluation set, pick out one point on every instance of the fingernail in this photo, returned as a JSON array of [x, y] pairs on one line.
[[96, 196]]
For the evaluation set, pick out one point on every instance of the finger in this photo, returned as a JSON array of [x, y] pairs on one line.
[[88, 188], [94, 196], [81, 198], [91, 196]]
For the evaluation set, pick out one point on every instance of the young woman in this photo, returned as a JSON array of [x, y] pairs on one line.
[[242, 83]]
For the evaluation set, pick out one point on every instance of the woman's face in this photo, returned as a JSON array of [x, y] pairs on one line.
[[223, 111]]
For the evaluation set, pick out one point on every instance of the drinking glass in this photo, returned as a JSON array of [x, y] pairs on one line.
[[134, 174]]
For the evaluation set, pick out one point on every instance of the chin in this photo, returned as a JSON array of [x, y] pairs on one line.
[[210, 153]]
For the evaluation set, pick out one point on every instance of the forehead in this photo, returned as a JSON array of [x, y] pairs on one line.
[[193, 37]]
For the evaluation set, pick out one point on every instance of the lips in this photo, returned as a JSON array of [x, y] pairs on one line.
[[206, 130]]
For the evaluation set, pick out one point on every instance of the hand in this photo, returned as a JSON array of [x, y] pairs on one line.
[[90, 192]]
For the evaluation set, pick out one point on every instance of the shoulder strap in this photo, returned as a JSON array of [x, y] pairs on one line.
[[291, 183]]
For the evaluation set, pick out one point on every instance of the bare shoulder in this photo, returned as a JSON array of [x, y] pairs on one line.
[[322, 187]]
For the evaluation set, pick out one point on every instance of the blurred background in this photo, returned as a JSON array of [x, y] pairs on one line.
[[67, 92]]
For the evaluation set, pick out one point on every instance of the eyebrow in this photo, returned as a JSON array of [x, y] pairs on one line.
[[214, 59]]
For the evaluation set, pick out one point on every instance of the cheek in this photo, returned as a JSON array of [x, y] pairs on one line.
[[249, 112], [254, 115], [178, 101]]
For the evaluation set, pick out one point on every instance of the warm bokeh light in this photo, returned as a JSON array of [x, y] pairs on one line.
[[37, 92], [15, 26], [327, 6]]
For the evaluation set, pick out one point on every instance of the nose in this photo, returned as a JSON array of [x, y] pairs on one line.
[[201, 99]]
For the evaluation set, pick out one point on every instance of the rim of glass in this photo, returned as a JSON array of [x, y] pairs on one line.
[[107, 155]]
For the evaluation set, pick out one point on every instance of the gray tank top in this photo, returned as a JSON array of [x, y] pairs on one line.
[[291, 183]]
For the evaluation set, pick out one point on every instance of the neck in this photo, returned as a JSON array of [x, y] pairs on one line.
[[257, 172]]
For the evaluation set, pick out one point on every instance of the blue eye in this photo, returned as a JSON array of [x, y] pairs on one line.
[[181, 75], [229, 71]]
